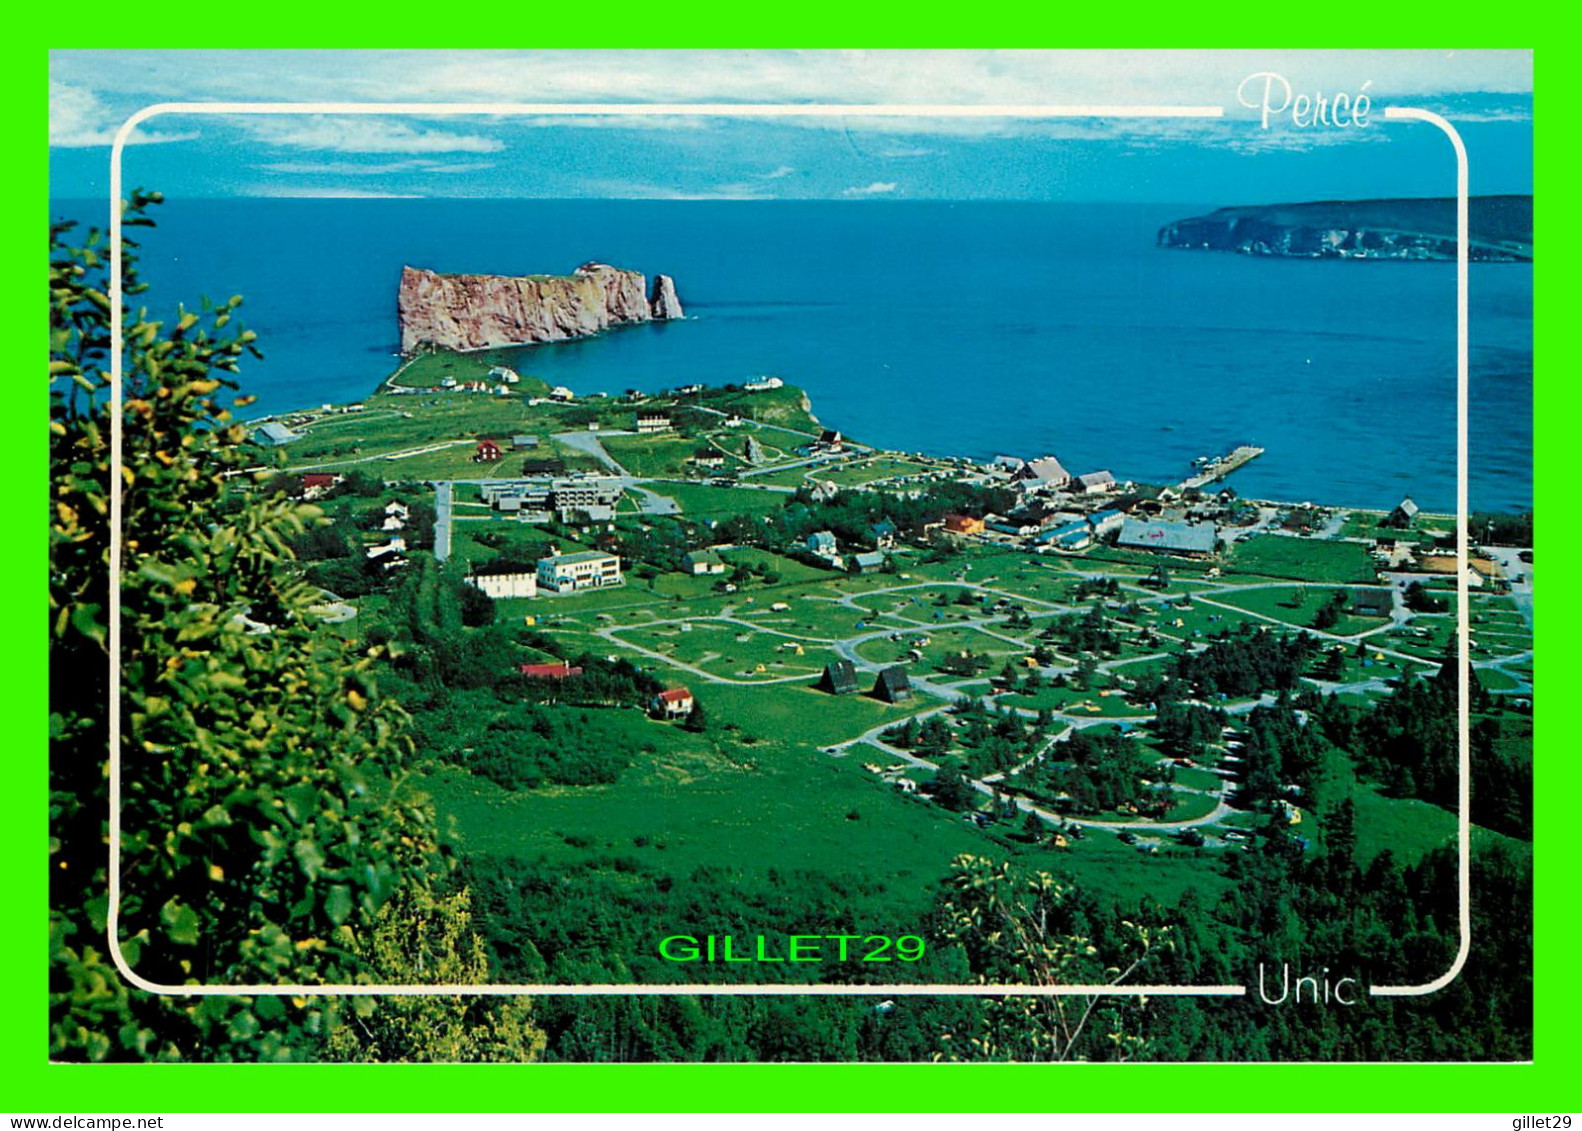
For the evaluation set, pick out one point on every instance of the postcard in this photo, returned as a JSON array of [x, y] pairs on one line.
[[755, 556]]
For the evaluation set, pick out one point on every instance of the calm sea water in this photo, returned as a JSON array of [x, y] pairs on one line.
[[972, 329]]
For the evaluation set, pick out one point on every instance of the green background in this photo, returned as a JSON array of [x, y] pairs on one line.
[[32, 1085]]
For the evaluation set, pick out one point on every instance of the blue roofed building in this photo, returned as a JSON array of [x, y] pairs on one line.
[[274, 434], [1105, 521], [1162, 536], [1067, 536], [822, 544]]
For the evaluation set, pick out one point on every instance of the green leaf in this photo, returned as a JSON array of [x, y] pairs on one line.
[[181, 922], [310, 856], [338, 905]]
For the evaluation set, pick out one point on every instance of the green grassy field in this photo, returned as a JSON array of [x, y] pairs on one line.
[[860, 472], [431, 369], [399, 423], [752, 811], [800, 714], [1297, 605], [808, 615], [786, 407], [1079, 704], [784, 477], [1104, 558], [1202, 618], [1195, 778], [918, 604], [729, 651], [1366, 524], [1191, 806], [1409, 828], [704, 502], [1495, 680], [686, 586], [651, 456], [1303, 559], [943, 642]]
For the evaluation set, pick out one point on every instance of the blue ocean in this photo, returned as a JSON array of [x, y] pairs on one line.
[[973, 329]]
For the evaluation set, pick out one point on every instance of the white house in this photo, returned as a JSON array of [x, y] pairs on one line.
[[700, 562], [590, 569], [677, 702], [1046, 471], [822, 544]]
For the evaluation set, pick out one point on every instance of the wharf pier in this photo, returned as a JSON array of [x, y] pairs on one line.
[[1216, 469]]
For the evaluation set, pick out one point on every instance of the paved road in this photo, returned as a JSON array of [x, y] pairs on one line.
[[1521, 591], [405, 453], [590, 443], [442, 519]]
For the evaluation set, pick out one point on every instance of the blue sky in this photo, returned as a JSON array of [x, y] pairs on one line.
[[1487, 94]]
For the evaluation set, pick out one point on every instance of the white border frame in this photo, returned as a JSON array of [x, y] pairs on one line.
[[752, 110]]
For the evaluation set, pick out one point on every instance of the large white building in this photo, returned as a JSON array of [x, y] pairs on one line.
[[590, 569], [566, 497], [500, 585]]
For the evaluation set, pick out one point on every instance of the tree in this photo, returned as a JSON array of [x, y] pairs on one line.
[[477, 607], [1026, 930], [416, 938], [951, 790], [266, 814]]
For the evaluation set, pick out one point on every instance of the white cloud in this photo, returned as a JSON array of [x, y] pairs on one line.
[[313, 192], [877, 188], [889, 76], [374, 169], [647, 190], [776, 174], [361, 135], [77, 119]]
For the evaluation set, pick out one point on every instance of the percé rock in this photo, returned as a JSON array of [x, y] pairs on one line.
[[469, 312], [1500, 229], [665, 303]]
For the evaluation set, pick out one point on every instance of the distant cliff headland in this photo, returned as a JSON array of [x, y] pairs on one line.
[[1500, 229], [468, 312]]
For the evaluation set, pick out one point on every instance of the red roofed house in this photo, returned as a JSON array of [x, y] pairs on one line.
[[673, 703], [562, 670], [488, 451], [316, 483], [963, 524]]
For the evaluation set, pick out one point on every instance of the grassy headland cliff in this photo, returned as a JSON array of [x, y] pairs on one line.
[[1500, 229]]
